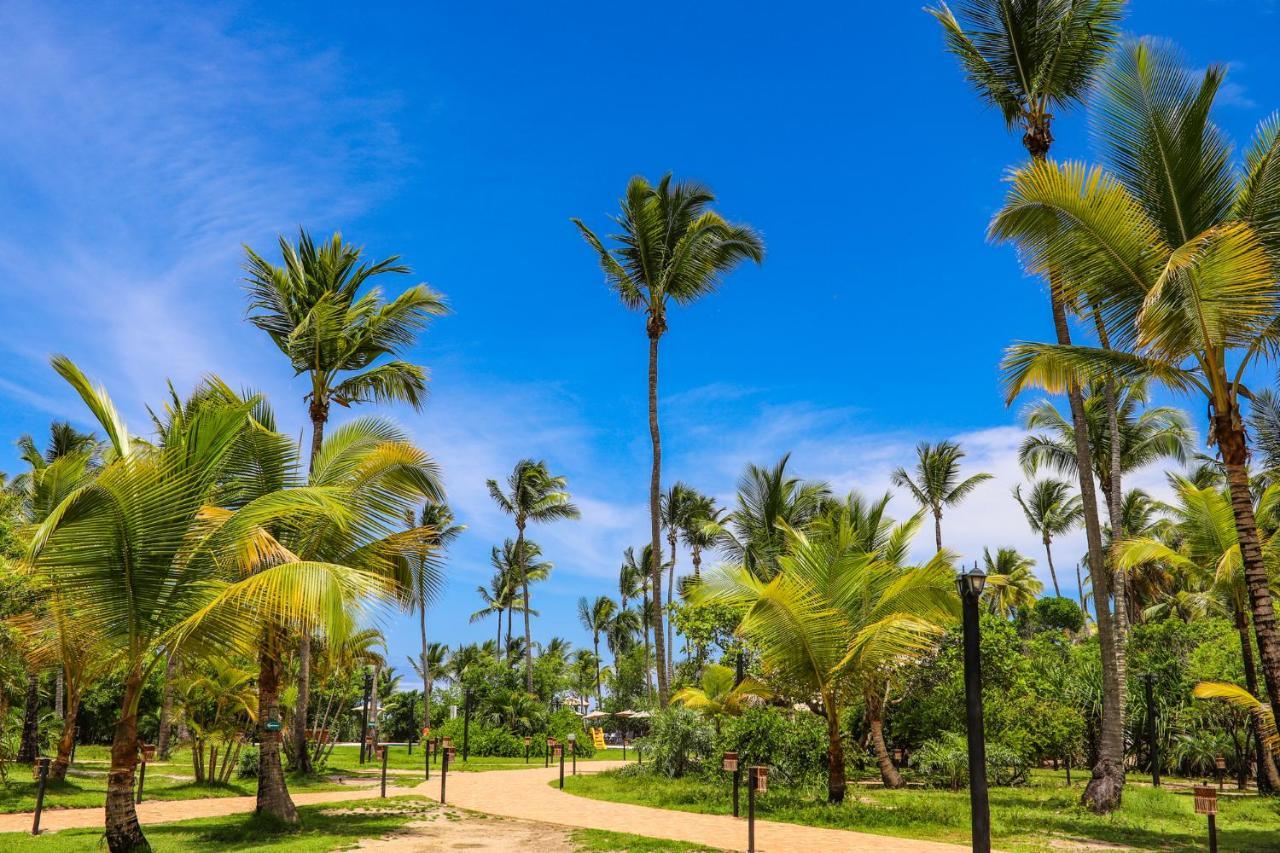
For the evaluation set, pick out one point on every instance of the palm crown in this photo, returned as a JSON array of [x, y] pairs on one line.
[[937, 482]]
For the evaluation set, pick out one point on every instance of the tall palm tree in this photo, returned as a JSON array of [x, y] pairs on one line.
[[937, 483], [1178, 252], [1051, 510], [1032, 60], [699, 531], [621, 632], [315, 312], [595, 617], [427, 574], [767, 499], [533, 496], [678, 507], [430, 667], [497, 597], [509, 578], [670, 247], [1011, 583], [144, 548], [835, 620], [634, 579]]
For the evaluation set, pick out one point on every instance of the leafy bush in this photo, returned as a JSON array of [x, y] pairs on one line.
[[490, 741], [678, 741], [944, 762], [1050, 614], [248, 763], [795, 745]]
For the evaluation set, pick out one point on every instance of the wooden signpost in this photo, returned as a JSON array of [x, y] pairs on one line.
[[1207, 804]]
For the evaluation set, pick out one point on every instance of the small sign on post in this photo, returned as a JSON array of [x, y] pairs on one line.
[[1207, 804]]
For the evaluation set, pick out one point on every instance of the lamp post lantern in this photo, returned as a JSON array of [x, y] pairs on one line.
[[970, 585]]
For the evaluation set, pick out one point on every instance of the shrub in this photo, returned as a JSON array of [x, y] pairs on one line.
[[795, 745], [1049, 614], [944, 762], [679, 740], [497, 741], [248, 763]]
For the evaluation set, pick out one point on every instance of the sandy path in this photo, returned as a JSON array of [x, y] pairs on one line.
[[525, 795]]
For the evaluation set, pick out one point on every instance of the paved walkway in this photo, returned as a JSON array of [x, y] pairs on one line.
[[525, 794]]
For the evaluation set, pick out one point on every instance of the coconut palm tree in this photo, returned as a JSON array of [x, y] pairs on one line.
[[719, 693], [497, 597], [509, 577], [1011, 583], [427, 567], [533, 496], [678, 507], [436, 657], [1177, 252], [322, 312], [937, 482], [145, 551], [595, 617], [834, 620], [670, 247], [634, 578], [1051, 510], [701, 524], [1032, 60], [768, 499], [621, 632]]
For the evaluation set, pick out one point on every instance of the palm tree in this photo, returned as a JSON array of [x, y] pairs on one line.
[[497, 598], [634, 579], [699, 531], [427, 566], [835, 620], [1178, 253], [144, 550], [1032, 60], [1011, 584], [1051, 510], [719, 694], [430, 666], [595, 617], [621, 632], [509, 576], [671, 247], [769, 498], [678, 507], [937, 483], [533, 495], [315, 312]]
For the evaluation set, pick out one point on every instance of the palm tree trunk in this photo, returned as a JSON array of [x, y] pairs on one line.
[[655, 511], [1048, 554], [123, 832], [671, 588], [58, 681], [1115, 508], [499, 640], [835, 755], [1231, 441], [524, 587], [937, 529], [273, 793], [1268, 778], [426, 674], [648, 673], [29, 748], [164, 736], [58, 770], [875, 718], [303, 704], [595, 641], [1084, 607]]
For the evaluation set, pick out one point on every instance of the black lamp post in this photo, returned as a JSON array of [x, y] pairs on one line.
[[970, 586], [364, 718]]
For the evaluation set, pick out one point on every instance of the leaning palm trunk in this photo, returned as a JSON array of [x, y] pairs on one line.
[[875, 719], [124, 833], [29, 747], [273, 793], [835, 757], [1053, 575], [1229, 434], [1268, 777], [58, 770], [655, 511]]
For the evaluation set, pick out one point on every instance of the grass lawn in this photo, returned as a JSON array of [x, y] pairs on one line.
[[345, 760], [324, 828], [86, 785], [1042, 816], [614, 842]]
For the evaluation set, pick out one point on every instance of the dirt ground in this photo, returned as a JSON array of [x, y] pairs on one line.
[[449, 829]]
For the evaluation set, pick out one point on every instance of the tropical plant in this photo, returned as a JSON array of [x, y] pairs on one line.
[[439, 529], [315, 312], [937, 482], [1176, 253], [767, 500], [533, 496], [1011, 584], [1032, 60], [679, 506], [834, 620], [670, 247], [1051, 510], [719, 694]]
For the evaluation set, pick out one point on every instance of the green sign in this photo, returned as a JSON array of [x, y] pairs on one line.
[[272, 725]]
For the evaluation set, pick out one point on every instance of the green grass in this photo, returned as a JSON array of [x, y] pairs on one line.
[[86, 785], [601, 841], [323, 828], [1024, 819], [346, 760]]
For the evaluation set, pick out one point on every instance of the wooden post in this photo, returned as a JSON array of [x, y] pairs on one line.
[[384, 750], [1207, 804], [43, 766]]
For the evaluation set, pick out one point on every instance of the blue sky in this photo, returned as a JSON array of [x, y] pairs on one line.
[[140, 149]]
